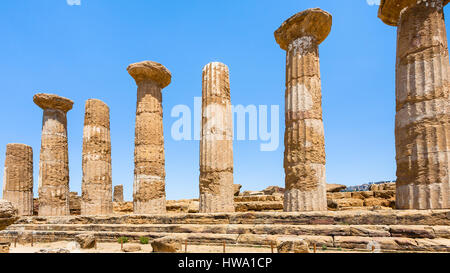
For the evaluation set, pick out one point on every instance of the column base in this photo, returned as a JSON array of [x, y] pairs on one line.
[[45, 210], [423, 197], [209, 203], [154, 206], [296, 200]]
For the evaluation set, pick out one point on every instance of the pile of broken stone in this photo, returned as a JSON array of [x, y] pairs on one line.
[[8, 215]]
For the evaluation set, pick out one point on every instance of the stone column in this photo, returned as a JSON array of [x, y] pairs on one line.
[[422, 122], [18, 178], [54, 160], [118, 193], [216, 142], [304, 152], [149, 194], [96, 187]]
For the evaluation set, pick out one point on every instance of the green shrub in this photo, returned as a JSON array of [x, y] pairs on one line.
[[123, 240], [324, 247], [144, 240]]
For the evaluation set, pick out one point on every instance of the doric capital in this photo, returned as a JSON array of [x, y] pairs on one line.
[[311, 22], [389, 11], [50, 101], [151, 71]]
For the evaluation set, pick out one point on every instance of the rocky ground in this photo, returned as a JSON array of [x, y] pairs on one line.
[[62, 246]]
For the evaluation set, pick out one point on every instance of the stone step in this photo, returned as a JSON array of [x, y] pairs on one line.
[[383, 244], [379, 217], [407, 231], [258, 206], [258, 198], [46, 236]]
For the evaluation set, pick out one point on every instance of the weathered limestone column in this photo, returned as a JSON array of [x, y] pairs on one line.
[[304, 152], [216, 142], [54, 156], [422, 122], [149, 195], [18, 178], [118, 193], [96, 187]]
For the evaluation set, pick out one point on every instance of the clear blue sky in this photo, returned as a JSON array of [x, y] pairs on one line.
[[82, 52]]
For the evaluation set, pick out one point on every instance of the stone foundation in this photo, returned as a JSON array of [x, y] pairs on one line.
[[393, 231]]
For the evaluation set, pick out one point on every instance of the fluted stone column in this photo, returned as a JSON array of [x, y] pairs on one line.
[[96, 187], [422, 122], [304, 153], [18, 178], [216, 142], [118, 193], [149, 194], [54, 160]]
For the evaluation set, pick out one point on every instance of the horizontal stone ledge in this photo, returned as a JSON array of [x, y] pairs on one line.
[[411, 231], [381, 244], [352, 217]]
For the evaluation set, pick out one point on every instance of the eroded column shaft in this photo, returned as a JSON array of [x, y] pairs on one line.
[[422, 130], [96, 160], [18, 178], [54, 165], [304, 156], [149, 173], [216, 143], [118, 193]]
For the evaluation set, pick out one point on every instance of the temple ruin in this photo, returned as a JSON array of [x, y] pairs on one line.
[[54, 155], [304, 142], [422, 122], [305, 216], [216, 143], [18, 178], [96, 185], [149, 194]]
